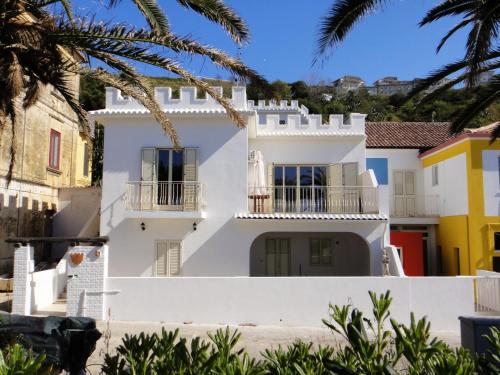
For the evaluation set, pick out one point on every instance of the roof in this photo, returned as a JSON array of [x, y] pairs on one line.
[[478, 133], [421, 135], [310, 216]]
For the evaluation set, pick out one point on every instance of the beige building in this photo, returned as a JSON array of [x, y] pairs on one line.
[[51, 153]]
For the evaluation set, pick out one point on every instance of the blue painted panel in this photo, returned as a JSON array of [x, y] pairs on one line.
[[380, 167]]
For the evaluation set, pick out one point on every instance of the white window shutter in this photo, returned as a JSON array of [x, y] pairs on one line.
[[350, 174], [161, 258], [270, 188], [190, 179], [398, 183], [174, 258], [148, 177], [335, 193], [409, 182]]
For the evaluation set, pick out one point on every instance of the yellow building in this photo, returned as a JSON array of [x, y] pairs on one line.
[[465, 173]]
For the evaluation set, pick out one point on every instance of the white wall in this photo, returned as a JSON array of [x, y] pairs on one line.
[[491, 183], [285, 301], [223, 171], [452, 185], [399, 159], [310, 151]]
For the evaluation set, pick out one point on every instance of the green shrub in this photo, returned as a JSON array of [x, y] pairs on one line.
[[14, 359]]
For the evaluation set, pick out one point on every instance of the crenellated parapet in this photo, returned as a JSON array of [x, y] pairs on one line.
[[187, 100], [272, 124]]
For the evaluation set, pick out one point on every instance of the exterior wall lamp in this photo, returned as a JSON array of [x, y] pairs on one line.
[[195, 226], [143, 226]]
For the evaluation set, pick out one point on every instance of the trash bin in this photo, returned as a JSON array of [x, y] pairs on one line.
[[474, 328], [66, 342]]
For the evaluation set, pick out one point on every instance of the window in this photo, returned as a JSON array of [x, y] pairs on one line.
[[435, 175], [497, 241], [496, 264], [54, 149], [380, 168], [321, 252], [85, 160], [457, 260], [300, 188], [168, 258]]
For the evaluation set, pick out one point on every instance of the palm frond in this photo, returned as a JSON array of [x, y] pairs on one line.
[[452, 31], [448, 8], [445, 71], [153, 14], [218, 12], [482, 101], [340, 19], [138, 95]]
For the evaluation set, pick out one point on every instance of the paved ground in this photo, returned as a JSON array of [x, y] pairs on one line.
[[254, 339]]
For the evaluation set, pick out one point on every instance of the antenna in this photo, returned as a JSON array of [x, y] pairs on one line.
[[237, 80]]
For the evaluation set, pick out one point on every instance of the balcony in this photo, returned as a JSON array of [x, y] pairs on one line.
[[314, 199], [165, 199], [415, 206]]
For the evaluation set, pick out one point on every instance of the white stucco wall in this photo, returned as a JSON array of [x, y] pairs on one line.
[[399, 159], [311, 151], [452, 185], [285, 301], [221, 244], [491, 182]]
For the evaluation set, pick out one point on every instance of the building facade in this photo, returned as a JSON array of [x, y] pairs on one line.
[[286, 196], [51, 153], [442, 195]]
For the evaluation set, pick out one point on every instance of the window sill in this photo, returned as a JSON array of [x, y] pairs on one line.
[[54, 171]]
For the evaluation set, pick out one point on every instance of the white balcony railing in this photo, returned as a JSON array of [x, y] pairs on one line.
[[415, 206], [164, 195], [317, 199]]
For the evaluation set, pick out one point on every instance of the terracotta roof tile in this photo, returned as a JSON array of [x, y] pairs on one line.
[[421, 135]]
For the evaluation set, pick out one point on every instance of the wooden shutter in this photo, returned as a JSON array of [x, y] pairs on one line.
[[411, 209], [168, 258], [269, 203], [190, 179], [335, 193], [399, 200], [398, 183], [148, 178], [174, 258], [161, 258], [350, 174]]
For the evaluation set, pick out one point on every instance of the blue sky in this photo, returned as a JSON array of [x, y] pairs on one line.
[[284, 34]]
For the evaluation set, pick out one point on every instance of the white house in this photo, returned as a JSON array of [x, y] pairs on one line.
[[289, 195]]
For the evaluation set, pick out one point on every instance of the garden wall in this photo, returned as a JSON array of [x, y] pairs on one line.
[[284, 301]]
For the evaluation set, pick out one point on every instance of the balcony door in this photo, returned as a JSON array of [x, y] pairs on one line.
[[170, 175], [169, 179], [300, 188], [404, 193]]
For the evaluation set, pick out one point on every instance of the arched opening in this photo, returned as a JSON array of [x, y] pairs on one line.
[[309, 254]]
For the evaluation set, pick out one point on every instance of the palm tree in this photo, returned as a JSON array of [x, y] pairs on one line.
[[38, 47], [481, 53]]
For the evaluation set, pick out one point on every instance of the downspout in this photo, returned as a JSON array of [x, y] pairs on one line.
[[22, 174]]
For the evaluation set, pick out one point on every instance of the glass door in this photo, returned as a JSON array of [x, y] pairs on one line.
[[170, 172], [277, 257]]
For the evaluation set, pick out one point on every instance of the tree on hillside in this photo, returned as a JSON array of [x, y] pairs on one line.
[[38, 47], [482, 52]]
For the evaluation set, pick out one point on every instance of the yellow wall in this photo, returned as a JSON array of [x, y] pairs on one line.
[[472, 233]]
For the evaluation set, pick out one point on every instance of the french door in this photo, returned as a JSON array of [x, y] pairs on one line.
[[170, 174], [404, 193], [300, 188], [277, 257]]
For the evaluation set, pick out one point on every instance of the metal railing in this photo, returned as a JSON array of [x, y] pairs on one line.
[[487, 288], [164, 195], [313, 199], [415, 206]]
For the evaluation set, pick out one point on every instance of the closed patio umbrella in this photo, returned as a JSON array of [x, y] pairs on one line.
[[258, 188]]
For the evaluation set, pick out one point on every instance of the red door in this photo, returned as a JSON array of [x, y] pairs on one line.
[[412, 251]]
